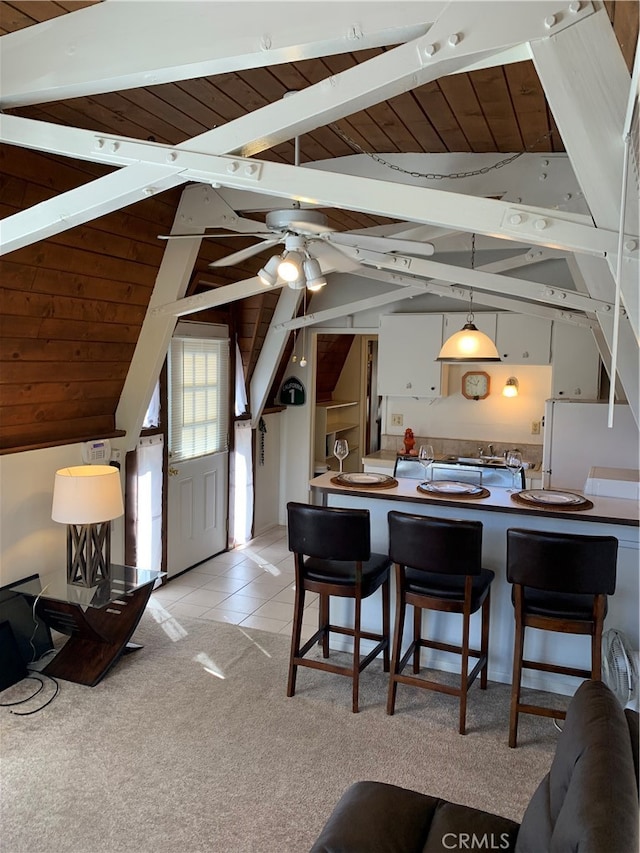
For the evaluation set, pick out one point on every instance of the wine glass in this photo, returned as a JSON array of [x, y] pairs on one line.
[[426, 456], [341, 450], [513, 461]]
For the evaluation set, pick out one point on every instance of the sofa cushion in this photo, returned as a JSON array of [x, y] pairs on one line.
[[374, 817], [588, 800]]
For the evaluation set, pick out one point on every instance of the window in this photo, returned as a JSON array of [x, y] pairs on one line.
[[199, 397]]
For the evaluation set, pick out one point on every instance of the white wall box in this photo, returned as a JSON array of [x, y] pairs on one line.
[[576, 362], [408, 345], [522, 339]]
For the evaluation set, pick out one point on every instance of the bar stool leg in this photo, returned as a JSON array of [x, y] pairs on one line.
[[356, 653], [596, 637], [464, 674], [417, 636], [397, 646], [298, 611], [386, 626], [484, 639], [323, 614], [518, 653]]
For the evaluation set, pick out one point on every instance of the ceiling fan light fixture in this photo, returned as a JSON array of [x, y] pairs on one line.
[[298, 283], [469, 344], [268, 275], [313, 274], [290, 267]]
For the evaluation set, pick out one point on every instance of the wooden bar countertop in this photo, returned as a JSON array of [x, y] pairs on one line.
[[604, 510]]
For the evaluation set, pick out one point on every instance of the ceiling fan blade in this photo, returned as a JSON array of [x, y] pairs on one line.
[[205, 236], [244, 254], [383, 244]]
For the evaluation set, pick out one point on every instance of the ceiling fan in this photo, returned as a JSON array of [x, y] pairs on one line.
[[304, 233]]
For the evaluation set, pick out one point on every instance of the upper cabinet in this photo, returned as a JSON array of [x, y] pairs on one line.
[[576, 362], [408, 345], [523, 339]]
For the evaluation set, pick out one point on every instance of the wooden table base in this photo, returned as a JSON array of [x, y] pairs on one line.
[[97, 636]]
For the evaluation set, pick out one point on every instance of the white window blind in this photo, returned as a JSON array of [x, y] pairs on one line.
[[199, 397]]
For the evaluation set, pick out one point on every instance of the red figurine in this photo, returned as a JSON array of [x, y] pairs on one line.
[[409, 442]]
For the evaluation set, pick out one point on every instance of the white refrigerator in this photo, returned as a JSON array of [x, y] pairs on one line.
[[577, 438]]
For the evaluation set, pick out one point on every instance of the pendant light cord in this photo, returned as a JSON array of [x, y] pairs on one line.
[[473, 264]]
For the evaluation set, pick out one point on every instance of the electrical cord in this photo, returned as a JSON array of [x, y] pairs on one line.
[[42, 707], [21, 701], [35, 674], [39, 677]]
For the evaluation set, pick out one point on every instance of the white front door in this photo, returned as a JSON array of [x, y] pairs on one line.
[[197, 493], [197, 510]]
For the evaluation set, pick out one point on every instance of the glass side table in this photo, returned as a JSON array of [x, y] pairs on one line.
[[98, 620]]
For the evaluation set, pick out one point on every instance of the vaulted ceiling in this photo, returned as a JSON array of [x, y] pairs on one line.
[[151, 87]]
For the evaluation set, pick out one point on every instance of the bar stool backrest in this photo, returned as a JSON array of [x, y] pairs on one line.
[[329, 533], [435, 544], [562, 562]]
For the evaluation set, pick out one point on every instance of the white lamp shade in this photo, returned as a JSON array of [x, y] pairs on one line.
[[269, 273], [87, 494], [469, 344]]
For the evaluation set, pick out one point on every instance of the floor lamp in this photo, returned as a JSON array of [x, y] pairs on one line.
[[86, 498]]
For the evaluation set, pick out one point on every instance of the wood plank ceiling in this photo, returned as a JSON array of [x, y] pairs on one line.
[[72, 305]]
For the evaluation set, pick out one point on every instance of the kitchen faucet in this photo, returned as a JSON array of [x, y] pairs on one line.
[[491, 453]]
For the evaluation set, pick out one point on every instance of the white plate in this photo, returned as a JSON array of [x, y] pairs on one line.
[[450, 487], [364, 479], [552, 498]]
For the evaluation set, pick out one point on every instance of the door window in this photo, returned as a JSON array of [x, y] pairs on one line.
[[199, 393]]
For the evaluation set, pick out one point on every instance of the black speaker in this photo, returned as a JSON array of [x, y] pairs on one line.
[[12, 666]]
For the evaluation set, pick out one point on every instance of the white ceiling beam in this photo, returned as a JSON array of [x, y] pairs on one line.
[[442, 288], [574, 67], [366, 304], [486, 281], [85, 203], [155, 335], [84, 53], [271, 352], [224, 295], [506, 220], [462, 33]]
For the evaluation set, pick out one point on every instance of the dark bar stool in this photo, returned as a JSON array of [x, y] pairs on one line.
[[438, 567], [332, 552], [560, 583]]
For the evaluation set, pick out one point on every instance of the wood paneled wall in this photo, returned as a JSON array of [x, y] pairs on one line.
[[71, 307]]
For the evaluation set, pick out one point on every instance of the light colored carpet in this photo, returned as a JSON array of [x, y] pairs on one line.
[[165, 757]]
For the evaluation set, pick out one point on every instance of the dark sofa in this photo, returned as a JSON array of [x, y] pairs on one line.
[[588, 802]]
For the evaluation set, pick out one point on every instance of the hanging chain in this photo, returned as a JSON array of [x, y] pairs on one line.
[[473, 266], [435, 176]]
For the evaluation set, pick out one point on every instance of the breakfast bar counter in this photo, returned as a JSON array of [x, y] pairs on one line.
[[498, 511]]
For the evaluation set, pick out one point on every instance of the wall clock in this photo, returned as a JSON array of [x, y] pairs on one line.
[[475, 385]]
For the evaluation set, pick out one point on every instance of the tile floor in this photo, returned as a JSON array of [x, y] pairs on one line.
[[252, 586]]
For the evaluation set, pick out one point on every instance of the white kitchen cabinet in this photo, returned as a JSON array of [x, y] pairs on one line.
[[522, 339], [408, 345], [575, 362], [338, 419]]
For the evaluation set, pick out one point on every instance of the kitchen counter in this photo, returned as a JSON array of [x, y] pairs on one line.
[[498, 512], [605, 510]]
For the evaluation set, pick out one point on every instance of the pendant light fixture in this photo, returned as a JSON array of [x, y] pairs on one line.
[[469, 344]]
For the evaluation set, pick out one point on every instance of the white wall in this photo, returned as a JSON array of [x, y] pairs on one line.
[[496, 419], [30, 542], [266, 480]]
